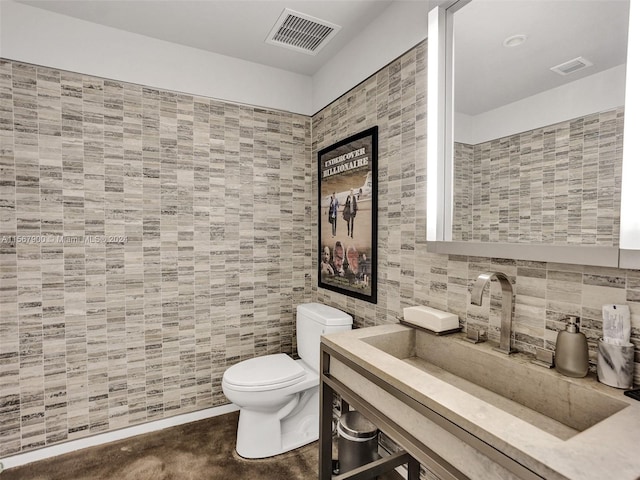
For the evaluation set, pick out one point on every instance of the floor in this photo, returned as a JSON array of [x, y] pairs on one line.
[[200, 450]]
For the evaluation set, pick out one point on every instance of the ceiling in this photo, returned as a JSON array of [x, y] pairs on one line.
[[559, 29], [235, 28], [489, 75]]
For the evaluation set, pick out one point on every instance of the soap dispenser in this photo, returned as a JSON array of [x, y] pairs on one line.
[[572, 353]]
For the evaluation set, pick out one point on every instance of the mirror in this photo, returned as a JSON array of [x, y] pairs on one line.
[[529, 132]]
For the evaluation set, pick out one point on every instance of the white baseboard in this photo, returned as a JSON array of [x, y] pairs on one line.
[[102, 438]]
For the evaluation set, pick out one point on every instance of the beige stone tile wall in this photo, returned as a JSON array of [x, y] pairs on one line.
[[148, 240], [558, 184], [395, 100], [545, 293]]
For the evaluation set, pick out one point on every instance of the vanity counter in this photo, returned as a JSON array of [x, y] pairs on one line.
[[506, 438]]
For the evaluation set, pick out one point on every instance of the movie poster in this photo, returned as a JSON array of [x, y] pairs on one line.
[[347, 173]]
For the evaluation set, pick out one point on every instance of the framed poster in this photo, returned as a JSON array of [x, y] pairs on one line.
[[348, 216]]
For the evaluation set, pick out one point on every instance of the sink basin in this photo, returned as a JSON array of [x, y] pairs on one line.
[[559, 405], [481, 412]]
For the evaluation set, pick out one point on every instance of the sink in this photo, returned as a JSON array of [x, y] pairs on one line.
[[559, 405], [486, 415]]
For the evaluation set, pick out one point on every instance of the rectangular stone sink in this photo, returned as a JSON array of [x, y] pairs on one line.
[[542, 397]]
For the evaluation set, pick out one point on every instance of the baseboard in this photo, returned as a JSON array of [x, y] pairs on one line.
[[102, 438]]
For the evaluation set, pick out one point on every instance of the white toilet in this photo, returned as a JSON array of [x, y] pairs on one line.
[[278, 396]]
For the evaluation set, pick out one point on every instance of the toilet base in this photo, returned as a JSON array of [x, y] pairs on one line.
[[262, 435]]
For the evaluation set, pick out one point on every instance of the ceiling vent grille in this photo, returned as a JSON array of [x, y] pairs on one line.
[[572, 66], [301, 32]]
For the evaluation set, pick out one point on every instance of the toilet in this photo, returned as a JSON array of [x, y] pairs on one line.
[[278, 396]]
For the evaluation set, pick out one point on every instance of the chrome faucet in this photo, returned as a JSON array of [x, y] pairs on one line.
[[507, 305]]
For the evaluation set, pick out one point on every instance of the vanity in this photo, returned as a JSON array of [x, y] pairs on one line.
[[467, 411]]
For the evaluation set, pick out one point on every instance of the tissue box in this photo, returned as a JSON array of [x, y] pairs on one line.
[[431, 318]]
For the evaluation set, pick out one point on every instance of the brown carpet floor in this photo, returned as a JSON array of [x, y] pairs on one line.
[[202, 450]]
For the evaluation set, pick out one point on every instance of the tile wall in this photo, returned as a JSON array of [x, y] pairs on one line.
[[148, 240], [558, 184], [545, 293]]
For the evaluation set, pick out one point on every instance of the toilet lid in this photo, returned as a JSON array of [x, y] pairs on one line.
[[277, 370]]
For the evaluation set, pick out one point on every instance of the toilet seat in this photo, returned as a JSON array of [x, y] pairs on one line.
[[269, 372]]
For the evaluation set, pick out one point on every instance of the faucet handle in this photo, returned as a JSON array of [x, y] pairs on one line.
[[544, 357], [475, 335]]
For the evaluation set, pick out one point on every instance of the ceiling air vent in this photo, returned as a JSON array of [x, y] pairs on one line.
[[301, 32], [571, 66]]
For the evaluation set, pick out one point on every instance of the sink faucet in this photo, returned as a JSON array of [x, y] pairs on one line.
[[507, 302]]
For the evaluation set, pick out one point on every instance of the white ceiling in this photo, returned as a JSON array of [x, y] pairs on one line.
[[236, 28], [489, 75], [559, 29]]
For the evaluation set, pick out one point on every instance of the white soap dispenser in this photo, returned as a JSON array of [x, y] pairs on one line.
[[572, 352]]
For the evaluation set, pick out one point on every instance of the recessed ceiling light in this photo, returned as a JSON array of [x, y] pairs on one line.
[[514, 40]]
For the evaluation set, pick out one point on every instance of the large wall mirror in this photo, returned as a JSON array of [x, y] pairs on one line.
[[526, 156]]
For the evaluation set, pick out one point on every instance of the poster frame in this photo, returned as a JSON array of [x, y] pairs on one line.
[[331, 167]]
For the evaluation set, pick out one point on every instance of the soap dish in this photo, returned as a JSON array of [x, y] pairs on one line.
[[432, 332]]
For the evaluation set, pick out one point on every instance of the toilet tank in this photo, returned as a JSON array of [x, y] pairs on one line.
[[314, 320]]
